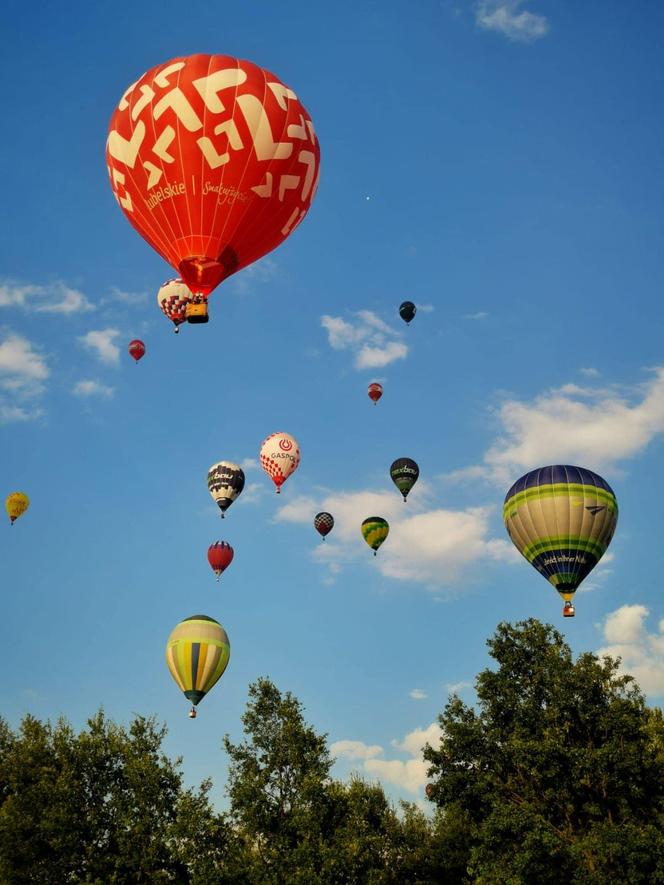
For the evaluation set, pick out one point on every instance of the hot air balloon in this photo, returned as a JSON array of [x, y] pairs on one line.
[[429, 790], [197, 653], [225, 481], [374, 531], [323, 523], [220, 555], [280, 456], [375, 391], [136, 349], [407, 311], [404, 473], [173, 298], [562, 519], [16, 504], [214, 161]]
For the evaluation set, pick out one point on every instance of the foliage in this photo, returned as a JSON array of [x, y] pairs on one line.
[[559, 773]]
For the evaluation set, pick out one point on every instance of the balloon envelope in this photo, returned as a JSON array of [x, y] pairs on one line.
[[16, 504], [279, 456], [197, 653], [407, 311], [374, 531], [561, 519], [225, 482], [214, 161], [323, 523], [375, 391], [173, 298], [220, 555], [404, 473], [136, 349]]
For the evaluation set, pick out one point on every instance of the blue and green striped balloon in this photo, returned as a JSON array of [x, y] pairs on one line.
[[562, 519]]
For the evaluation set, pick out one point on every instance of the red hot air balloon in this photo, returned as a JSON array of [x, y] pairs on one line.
[[136, 349], [214, 161], [220, 555], [375, 391]]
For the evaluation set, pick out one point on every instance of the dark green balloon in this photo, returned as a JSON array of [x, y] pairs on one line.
[[407, 311], [404, 473]]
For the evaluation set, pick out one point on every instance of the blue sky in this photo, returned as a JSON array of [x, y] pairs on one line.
[[497, 162]]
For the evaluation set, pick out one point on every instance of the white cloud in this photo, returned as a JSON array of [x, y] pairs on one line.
[[590, 372], [642, 653], [410, 774], [457, 687], [431, 546], [417, 694], [54, 298], [101, 343], [92, 388], [22, 367], [372, 341], [480, 315], [67, 301], [425, 308], [355, 750], [252, 493], [124, 297], [23, 373], [377, 357], [507, 18], [249, 464], [260, 272], [594, 428], [12, 414]]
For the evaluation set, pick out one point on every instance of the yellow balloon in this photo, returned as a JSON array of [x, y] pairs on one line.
[[16, 504], [197, 653]]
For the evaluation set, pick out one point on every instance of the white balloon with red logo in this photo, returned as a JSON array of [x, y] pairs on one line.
[[280, 456]]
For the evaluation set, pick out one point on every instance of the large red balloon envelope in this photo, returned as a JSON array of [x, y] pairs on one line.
[[220, 556], [214, 161], [136, 349]]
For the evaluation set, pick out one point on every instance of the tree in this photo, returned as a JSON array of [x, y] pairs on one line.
[[558, 776], [279, 787], [102, 807]]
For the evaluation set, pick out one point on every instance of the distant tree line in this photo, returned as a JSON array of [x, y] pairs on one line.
[[555, 775]]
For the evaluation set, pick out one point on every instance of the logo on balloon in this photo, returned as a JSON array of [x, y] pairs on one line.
[[285, 445]]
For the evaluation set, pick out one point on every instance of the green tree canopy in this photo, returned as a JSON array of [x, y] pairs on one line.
[[558, 775]]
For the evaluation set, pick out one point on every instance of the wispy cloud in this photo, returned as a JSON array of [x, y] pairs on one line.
[[88, 388], [102, 343], [480, 315], [435, 547], [54, 298], [590, 372], [642, 652], [417, 694], [23, 374], [507, 17], [372, 341], [592, 427], [408, 774], [457, 687], [259, 273], [124, 297]]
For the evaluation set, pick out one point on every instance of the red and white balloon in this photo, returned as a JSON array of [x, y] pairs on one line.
[[279, 456], [214, 161]]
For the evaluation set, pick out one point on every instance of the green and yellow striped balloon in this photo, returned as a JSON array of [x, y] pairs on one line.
[[374, 531], [197, 654], [562, 519]]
